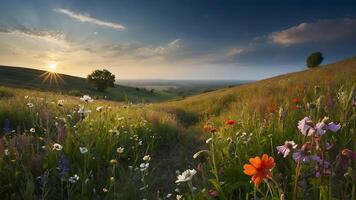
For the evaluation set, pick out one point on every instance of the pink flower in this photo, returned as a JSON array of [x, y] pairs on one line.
[[306, 126], [286, 148]]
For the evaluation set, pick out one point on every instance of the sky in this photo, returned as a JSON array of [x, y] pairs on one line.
[[183, 39]]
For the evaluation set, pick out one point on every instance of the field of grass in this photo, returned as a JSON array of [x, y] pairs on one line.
[[44, 81], [62, 147]]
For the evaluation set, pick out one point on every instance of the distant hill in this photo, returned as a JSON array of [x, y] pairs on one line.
[[41, 80]]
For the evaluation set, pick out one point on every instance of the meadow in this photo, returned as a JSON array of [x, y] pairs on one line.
[[288, 137]]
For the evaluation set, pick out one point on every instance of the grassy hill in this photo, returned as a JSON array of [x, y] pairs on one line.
[[258, 97], [36, 79], [106, 144]]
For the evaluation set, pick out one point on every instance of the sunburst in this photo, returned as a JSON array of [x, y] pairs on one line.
[[51, 75]]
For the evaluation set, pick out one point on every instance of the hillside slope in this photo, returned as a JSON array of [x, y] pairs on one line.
[[264, 96], [36, 79]]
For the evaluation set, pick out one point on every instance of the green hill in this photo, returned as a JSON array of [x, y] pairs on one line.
[[45, 81], [270, 93]]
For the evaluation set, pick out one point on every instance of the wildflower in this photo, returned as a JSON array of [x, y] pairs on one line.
[[60, 102], [6, 152], [146, 158], [305, 125], [105, 190], [209, 128], [168, 195], [57, 147], [99, 108], [179, 197], [144, 166], [29, 104], [83, 150], [113, 161], [286, 148], [86, 98], [74, 179], [63, 165], [120, 150], [259, 169], [187, 175], [323, 168], [349, 154], [213, 193], [296, 100], [112, 179], [230, 122], [32, 130]]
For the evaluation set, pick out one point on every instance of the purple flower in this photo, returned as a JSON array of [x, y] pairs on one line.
[[302, 154], [323, 168], [334, 127], [64, 168], [286, 148], [306, 126]]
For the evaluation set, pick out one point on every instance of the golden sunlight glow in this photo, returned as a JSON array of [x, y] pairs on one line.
[[52, 67]]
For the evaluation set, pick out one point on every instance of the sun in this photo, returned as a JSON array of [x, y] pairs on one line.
[[52, 67]]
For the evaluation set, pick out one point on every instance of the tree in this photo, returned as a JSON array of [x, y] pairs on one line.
[[101, 79], [314, 59]]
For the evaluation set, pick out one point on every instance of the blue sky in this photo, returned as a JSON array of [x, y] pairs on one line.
[[183, 39]]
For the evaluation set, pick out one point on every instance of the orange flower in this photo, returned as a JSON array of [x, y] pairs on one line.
[[259, 169]]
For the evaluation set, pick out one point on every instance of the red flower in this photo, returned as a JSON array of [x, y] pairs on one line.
[[230, 122], [296, 100], [259, 169], [213, 193]]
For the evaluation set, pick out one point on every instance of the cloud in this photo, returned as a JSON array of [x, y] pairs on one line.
[[321, 30], [137, 51], [88, 18], [55, 37]]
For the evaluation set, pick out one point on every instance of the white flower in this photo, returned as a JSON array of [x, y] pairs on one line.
[[26, 97], [146, 158], [6, 152], [99, 108], [74, 179], [144, 166], [187, 175], [179, 197], [57, 147], [105, 190], [140, 143], [168, 195], [60, 102], [120, 150], [32, 130], [83, 150], [86, 98], [29, 104]]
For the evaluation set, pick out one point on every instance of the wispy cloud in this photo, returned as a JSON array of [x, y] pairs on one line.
[[88, 18], [137, 51], [56, 37], [321, 30]]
